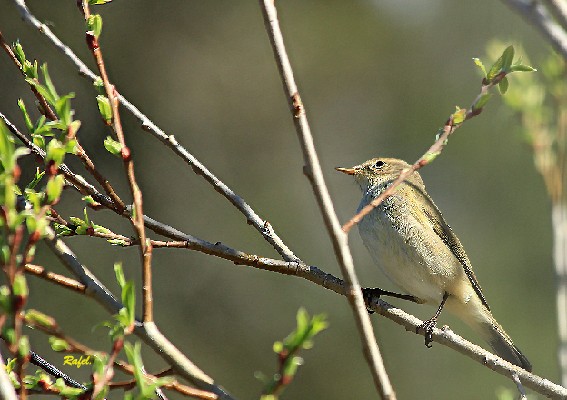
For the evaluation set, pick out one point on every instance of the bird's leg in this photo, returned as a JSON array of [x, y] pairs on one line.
[[429, 324], [369, 293]]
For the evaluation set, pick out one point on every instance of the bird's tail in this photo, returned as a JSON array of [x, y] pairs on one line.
[[499, 340]]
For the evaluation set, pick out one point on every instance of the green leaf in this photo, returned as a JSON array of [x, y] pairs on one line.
[[104, 108], [63, 230], [522, 68], [129, 301], [94, 24], [24, 347], [54, 188], [55, 152], [134, 355], [99, 85], [42, 90], [71, 145], [7, 149], [97, 2], [67, 391], [20, 286], [27, 118], [502, 64], [503, 85], [38, 318], [507, 58], [87, 220], [5, 299], [112, 146], [40, 128], [38, 175], [58, 344], [481, 102], [459, 116], [118, 242], [479, 64], [19, 52], [49, 85], [89, 200], [119, 272], [63, 108]]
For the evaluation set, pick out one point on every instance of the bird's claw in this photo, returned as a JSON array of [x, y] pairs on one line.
[[427, 326], [368, 294]]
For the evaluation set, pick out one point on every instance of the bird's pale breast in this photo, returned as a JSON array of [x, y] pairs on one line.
[[408, 251]]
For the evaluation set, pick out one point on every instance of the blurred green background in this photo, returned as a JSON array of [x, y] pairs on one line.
[[378, 77]]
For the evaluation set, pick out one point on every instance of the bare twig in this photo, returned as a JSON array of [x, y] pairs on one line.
[[262, 226], [40, 362], [535, 13], [312, 170], [559, 219], [559, 10], [41, 272]]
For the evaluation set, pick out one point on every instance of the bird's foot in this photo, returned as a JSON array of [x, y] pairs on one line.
[[368, 294], [427, 326]]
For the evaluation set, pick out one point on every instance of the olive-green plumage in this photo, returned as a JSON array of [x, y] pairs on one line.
[[410, 241]]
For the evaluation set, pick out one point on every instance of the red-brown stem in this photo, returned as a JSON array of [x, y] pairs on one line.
[[138, 219], [61, 280], [49, 114]]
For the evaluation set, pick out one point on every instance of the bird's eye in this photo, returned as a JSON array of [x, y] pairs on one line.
[[378, 164]]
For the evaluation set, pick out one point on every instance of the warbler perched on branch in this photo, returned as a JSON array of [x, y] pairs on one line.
[[410, 241]]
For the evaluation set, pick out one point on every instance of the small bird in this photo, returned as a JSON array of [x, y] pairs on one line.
[[410, 241]]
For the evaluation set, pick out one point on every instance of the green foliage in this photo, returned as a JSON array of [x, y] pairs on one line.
[[124, 320], [67, 392], [104, 108], [94, 24], [97, 2], [540, 102], [58, 344], [112, 146], [503, 66], [300, 338], [146, 387]]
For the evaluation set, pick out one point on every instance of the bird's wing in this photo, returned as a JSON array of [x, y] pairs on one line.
[[446, 234]]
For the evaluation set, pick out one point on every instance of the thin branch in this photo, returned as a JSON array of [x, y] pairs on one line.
[[40, 362], [263, 227], [41, 272], [77, 181], [436, 148], [311, 273], [95, 289], [80, 152], [536, 14], [138, 216], [146, 331], [312, 170], [559, 10]]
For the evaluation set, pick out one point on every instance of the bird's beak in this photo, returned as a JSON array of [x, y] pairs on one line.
[[348, 171]]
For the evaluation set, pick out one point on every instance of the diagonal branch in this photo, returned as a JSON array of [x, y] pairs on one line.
[[443, 336], [262, 226], [312, 170], [535, 13], [559, 10]]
